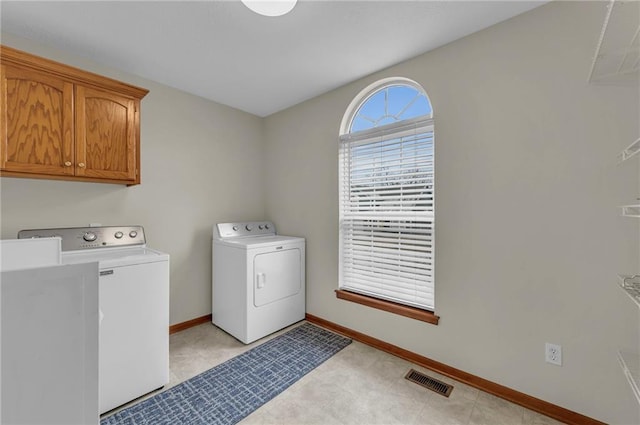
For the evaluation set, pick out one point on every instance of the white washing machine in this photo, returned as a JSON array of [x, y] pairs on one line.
[[258, 279], [133, 288]]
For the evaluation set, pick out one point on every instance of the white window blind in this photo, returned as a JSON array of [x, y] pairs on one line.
[[387, 213]]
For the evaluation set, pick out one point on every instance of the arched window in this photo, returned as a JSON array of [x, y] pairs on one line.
[[387, 194]]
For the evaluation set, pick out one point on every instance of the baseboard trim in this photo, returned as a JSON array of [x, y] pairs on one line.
[[532, 403], [189, 324]]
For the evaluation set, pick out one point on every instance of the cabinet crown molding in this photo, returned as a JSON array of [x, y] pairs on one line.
[[9, 55]]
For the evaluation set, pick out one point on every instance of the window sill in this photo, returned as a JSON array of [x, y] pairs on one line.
[[391, 307]]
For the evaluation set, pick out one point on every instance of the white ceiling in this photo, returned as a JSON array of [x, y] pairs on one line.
[[222, 51]]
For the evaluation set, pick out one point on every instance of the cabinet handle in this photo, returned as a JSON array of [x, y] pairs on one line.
[[67, 164], [81, 165]]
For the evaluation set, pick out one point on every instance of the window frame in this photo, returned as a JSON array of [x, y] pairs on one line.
[[362, 97], [395, 129]]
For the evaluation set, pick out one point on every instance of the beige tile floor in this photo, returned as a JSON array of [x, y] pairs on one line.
[[358, 385]]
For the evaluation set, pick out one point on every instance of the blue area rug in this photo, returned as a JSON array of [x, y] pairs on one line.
[[231, 391]]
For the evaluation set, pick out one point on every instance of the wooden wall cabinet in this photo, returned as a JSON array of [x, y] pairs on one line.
[[59, 122]]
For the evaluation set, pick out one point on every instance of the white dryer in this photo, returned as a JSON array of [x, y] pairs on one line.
[[258, 279]]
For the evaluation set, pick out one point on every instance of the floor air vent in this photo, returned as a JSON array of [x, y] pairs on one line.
[[429, 382]]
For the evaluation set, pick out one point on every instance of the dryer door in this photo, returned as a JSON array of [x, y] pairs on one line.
[[276, 276]]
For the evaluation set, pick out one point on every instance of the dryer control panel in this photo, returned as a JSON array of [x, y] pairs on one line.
[[240, 229]]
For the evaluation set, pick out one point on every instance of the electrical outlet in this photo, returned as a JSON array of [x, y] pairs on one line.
[[553, 353]]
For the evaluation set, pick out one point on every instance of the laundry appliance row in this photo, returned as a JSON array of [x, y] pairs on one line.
[[258, 288]]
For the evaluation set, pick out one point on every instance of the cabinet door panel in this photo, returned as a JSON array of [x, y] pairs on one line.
[[36, 122], [105, 135]]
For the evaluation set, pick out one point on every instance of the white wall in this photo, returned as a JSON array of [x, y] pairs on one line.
[[528, 236], [201, 164]]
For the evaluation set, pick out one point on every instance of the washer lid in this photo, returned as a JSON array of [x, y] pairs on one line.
[[259, 241], [115, 257]]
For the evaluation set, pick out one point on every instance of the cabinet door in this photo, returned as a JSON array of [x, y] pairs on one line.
[[36, 122], [105, 135]]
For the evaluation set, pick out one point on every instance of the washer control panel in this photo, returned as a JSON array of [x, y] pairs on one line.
[[78, 238], [251, 228]]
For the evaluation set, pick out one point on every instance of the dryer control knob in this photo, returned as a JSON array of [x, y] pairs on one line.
[[235, 228], [266, 226], [133, 234], [248, 227], [118, 235], [261, 227], [90, 236]]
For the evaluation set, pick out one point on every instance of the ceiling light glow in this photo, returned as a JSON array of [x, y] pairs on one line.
[[270, 7]]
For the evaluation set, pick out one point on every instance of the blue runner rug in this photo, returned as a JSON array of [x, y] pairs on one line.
[[231, 391]]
